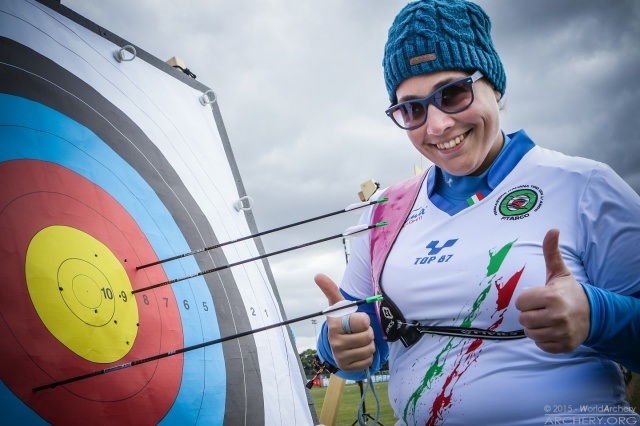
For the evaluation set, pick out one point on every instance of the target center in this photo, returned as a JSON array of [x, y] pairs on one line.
[[86, 291], [76, 285]]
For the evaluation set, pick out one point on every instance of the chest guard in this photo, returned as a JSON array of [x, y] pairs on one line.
[[401, 197]]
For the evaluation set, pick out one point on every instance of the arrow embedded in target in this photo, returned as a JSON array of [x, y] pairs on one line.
[[349, 208], [353, 230], [341, 308]]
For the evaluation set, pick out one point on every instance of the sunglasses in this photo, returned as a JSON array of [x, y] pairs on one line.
[[450, 98]]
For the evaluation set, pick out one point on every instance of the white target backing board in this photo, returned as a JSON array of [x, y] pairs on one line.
[[106, 165]]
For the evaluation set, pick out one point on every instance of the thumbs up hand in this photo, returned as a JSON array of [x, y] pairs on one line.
[[557, 317], [354, 351]]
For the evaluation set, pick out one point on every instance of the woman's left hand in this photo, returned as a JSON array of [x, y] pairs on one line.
[[557, 317]]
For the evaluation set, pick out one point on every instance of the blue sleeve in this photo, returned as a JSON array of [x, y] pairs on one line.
[[610, 214], [382, 349], [615, 326]]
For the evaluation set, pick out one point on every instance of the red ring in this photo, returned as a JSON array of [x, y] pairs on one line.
[[31, 355]]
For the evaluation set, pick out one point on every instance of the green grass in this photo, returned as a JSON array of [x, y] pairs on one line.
[[348, 411], [350, 401]]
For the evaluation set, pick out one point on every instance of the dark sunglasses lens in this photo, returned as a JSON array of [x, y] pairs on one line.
[[409, 114], [455, 97]]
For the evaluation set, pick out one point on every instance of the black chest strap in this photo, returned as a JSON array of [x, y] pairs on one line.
[[397, 328]]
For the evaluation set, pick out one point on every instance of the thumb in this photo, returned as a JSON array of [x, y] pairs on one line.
[[329, 288], [552, 256]]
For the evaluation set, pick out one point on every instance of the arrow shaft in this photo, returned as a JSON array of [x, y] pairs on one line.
[[219, 268], [193, 347], [259, 234]]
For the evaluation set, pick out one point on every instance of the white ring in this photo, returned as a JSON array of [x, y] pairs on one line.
[[345, 324], [208, 97], [121, 56], [240, 204]]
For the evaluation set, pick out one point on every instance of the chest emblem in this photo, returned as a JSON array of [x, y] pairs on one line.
[[518, 203]]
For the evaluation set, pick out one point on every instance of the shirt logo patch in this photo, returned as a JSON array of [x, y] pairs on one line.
[[519, 202], [415, 216], [434, 256], [433, 245]]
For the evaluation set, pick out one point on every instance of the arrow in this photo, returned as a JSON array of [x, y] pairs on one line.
[[349, 231], [291, 225], [339, 309]]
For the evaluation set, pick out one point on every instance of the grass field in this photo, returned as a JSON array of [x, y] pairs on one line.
[[348, 412], [350, 401]]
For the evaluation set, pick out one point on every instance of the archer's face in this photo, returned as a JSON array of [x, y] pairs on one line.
[[463, 143]]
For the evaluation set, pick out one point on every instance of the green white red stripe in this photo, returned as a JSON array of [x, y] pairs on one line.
[[475, 198]]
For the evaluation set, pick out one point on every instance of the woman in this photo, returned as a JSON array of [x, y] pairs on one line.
[[524, 261]]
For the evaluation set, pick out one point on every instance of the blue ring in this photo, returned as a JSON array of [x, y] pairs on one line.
[[345, 324]]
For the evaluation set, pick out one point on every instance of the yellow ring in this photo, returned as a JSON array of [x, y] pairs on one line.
[[81, 293]]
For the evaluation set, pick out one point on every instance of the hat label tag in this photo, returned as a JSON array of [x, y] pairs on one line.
[[422, 58]]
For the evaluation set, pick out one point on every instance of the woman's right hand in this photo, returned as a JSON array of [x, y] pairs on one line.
[[355, 351]]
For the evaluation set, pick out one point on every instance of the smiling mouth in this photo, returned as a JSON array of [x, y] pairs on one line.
[[452, 143]]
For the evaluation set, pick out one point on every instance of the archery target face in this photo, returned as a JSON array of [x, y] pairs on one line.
[[89, 190], [76, 218]]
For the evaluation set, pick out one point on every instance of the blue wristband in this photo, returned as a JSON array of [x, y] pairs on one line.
[[615, 326]]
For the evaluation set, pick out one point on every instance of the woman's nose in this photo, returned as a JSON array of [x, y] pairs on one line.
[[437, 121]]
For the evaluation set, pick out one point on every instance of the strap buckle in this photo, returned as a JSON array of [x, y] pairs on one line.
[[394, 325]]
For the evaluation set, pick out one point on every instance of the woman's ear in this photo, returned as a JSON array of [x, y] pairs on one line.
[[502, 101]]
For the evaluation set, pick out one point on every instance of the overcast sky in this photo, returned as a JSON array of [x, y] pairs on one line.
[[300, 87]]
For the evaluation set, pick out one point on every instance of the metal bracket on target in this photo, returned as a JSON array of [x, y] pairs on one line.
[[208, 97], [120, 54], [245, 203]]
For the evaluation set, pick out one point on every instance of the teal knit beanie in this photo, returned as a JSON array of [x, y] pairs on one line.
[[438, 35]]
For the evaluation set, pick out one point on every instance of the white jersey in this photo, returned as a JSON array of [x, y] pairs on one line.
[[469, 268]]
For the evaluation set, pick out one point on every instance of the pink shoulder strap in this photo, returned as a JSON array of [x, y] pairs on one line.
[[402, 197]]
